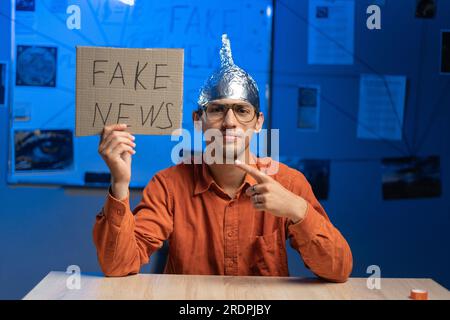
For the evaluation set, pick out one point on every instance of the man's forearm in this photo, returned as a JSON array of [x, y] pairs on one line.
[[322, 247], [119, 190]]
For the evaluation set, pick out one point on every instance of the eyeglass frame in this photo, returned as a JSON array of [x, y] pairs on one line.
[[203, 109]]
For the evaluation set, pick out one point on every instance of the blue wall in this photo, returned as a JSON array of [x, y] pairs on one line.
[[44, 228], [406, 238]]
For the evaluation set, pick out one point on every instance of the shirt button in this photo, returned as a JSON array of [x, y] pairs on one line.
[[230, 233]]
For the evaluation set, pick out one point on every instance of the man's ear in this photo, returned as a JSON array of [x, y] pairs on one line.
[[259, 122]]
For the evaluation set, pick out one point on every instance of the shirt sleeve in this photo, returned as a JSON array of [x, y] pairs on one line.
[[125, 239], [322, 247]]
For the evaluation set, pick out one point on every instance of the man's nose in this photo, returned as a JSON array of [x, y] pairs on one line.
[[229, 119]]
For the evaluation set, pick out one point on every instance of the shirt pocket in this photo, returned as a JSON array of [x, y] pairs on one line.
[[268, 255]]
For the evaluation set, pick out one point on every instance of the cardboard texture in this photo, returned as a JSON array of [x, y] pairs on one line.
[[140, 87]]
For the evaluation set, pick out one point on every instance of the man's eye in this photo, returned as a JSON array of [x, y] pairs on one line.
[[243, 110], [215, 109]]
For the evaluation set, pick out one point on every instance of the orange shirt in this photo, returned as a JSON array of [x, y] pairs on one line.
[[210, 233]]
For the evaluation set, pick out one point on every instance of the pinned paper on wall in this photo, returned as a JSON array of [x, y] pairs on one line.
[[331, 31], [381, 107], [308, 108], [25, 19], [140, 87]]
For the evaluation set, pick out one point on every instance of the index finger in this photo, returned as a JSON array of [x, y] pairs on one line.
[[255, 173]]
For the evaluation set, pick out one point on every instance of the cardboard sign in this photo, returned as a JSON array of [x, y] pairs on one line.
[[140, 87]]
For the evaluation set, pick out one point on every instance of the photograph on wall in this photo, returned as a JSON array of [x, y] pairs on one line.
[[316, 171], [3, 84], [43, 150], [308, 108], [318, 174], [36, 66], [445, 52], [411, 177], [25, 5], [425, 9]]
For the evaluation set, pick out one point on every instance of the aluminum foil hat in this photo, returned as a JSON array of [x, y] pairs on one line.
[[229, 81]]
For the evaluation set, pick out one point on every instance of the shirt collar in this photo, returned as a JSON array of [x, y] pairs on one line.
[[203, 178]]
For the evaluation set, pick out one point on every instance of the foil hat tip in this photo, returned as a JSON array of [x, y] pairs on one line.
[[226, 58]]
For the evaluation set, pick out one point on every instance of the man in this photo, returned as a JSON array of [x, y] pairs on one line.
[[220, 218]]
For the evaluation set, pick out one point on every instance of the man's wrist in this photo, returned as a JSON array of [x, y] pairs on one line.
[[119, 190], [299, 211]]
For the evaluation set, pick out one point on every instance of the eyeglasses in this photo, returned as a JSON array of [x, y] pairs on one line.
[[244, 113]]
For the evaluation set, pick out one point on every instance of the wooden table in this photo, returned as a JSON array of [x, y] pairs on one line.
[[189, 287]]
